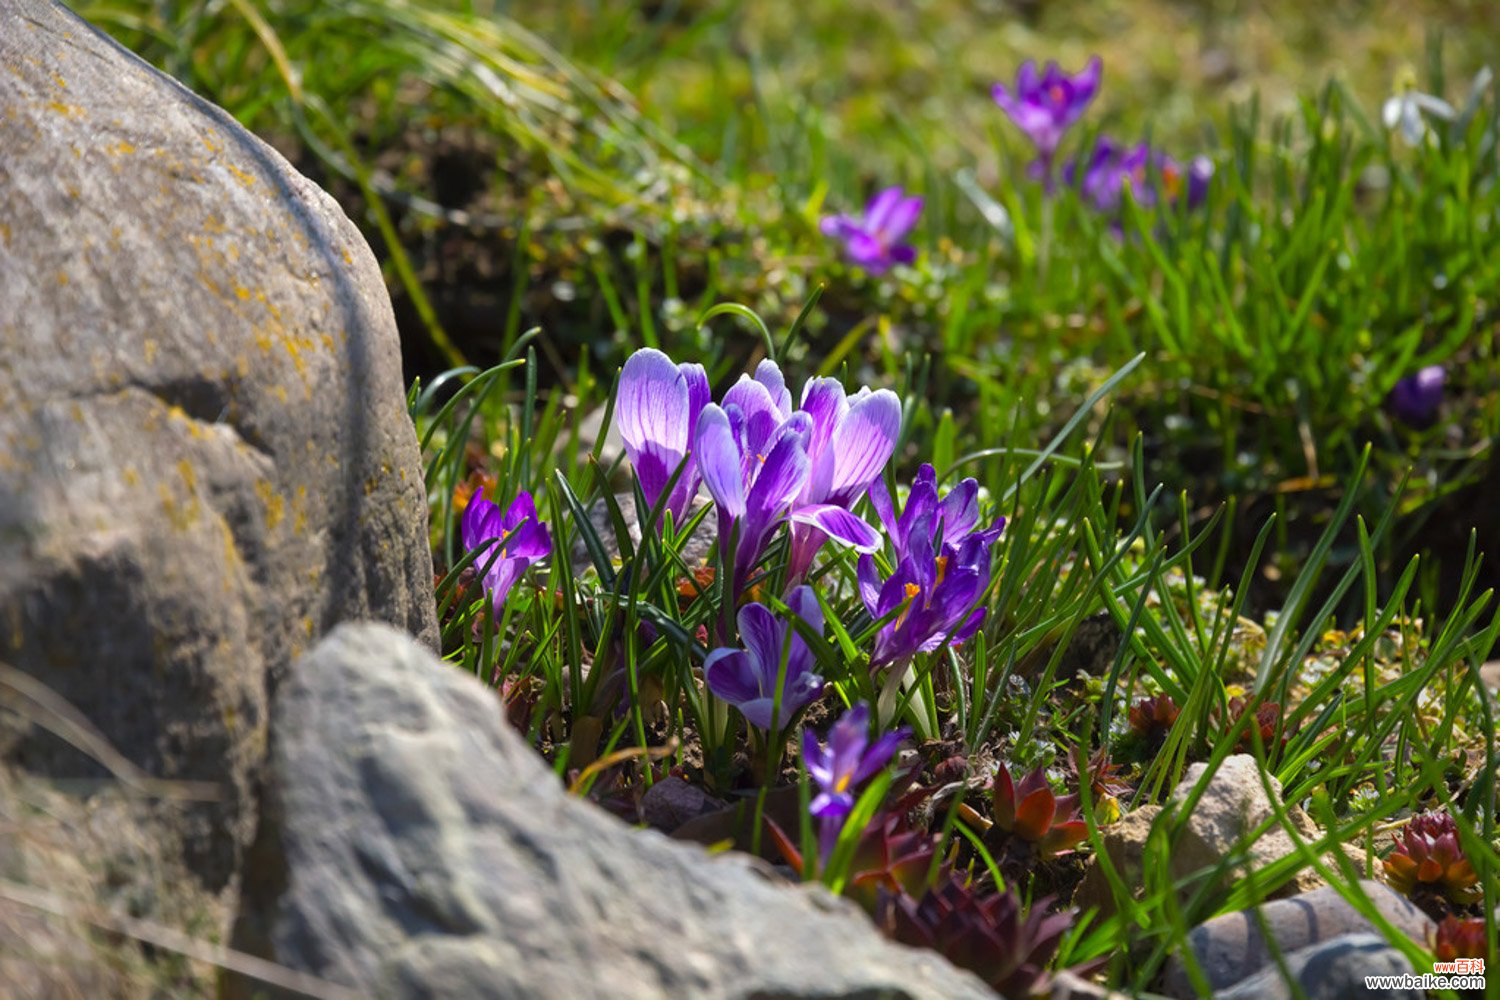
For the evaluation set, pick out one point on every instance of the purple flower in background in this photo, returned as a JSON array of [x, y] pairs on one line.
[[874, 241], [848, 761], [942, 570], [850, 443], [1150, 173], [746, 678], [1415, 399], [1046, 106], [659, 404], [518, 534]]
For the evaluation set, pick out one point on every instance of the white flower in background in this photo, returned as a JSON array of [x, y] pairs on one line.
[[1404, 112], [1409, 110]]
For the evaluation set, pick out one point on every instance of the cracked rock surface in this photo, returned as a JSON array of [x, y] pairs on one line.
[[205, 459]]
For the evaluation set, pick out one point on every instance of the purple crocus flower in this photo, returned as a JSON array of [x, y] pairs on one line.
[[850, 443], [874, 242], [746, 678], [659, 404], [518, 534], [849, 760], [1046, 106], [1415, 398], [942, 570]]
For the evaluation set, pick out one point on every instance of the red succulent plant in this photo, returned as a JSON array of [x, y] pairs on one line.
[[984, 932], [1457, 937], [1428, 855], [1031, 811], [1151, 719]]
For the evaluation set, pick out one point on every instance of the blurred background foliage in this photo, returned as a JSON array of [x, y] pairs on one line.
[[606, 172]]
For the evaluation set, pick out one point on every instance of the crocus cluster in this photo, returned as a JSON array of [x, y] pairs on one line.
[[508, 541], [847, 762], [1152, 176], [874, 241], [941, 570], [764, 463], [1045, 105]]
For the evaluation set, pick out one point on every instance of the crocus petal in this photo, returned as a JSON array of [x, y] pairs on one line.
[[824, 401], [731, 674], [831, 805], [869, 585], [882, 208], [768, 374], [760, 416], [803, 603], [867, 251], [840, 525], [880, 753], [880, 499], [475, 526], [782, 475], [959, 511], [719, 461], [763, 635], [863, 442], [653, 404], [814, 759], [900, 218]]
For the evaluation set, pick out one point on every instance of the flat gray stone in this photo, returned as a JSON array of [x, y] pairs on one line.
[[416, 846], [205, 458], [1330, 970], [1232, 947]]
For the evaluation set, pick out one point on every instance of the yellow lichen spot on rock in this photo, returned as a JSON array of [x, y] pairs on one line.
[[66, 110], [77, 413], [148, 348], [275, 506], [130, 475], [244, 178], [208, 143], [307, 626], [121, 148], [5, 233], [62, 277], [61, 83], [180, 515], [242, 293], [189, 477], [242, 366], [348, 258], [281, 393]]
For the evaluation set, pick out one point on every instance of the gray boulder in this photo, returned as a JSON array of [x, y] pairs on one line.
[[416, 846], [205, 460]]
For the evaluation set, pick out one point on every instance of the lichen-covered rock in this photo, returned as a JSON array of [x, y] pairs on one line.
[[205, 460], [416, 846]]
